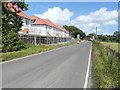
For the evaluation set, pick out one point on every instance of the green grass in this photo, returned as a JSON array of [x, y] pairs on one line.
[[31, 50], [105, 66], [112, 45]]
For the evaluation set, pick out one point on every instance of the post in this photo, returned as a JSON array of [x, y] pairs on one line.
[[34, 37], [96, 32]]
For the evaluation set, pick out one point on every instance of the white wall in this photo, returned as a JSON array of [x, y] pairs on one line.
[[38, 29], [42, 29], [26, 24]]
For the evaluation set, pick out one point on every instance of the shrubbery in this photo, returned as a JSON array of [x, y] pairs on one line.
[[11, 42]]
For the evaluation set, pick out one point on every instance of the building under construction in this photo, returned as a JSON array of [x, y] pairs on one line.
[[36, 30], [38, 39]]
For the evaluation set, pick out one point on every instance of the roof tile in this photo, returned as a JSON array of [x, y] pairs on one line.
[[37, 20], [13, 8]]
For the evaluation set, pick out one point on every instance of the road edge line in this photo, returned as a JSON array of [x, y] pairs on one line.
[[88, 68]]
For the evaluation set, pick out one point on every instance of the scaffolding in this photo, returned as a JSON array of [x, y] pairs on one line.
[[37, 39]]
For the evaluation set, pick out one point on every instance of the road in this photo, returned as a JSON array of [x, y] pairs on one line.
[[65, 67]]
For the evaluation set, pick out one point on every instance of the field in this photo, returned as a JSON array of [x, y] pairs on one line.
[[113, 46], [31, 50]]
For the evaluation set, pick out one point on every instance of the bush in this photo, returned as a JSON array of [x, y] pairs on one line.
[[11, 42]]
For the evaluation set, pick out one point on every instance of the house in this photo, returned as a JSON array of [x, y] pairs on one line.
[[38, 26], [45, 27], [52, 28], [38, 30]]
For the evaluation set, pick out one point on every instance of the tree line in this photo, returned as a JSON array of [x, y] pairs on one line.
[[74, 31], [109, 38]]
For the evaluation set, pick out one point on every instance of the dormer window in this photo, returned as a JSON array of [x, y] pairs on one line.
[[32, 21]]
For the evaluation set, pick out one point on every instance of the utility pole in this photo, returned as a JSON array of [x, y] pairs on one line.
[[96, 32]]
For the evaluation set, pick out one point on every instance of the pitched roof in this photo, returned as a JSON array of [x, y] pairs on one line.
[[37, 20], [60, 28], [13, 8], [65, 30], [23, 15], [25, 30], [48, 22]]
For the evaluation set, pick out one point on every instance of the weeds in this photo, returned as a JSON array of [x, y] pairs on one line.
[[105, 66]]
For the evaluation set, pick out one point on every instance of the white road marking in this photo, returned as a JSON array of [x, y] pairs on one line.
[[88, 68]]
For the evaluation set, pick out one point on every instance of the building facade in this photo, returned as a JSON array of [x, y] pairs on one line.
[[43, 27], [37, 30]]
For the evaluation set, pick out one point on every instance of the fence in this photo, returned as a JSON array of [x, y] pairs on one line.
[[37, 39]]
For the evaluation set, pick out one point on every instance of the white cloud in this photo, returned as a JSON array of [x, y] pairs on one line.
[[110, 23], [96, 19], [98, 30], [57, 16], [99, 18]]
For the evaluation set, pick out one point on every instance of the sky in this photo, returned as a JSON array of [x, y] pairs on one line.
[[84, 15]]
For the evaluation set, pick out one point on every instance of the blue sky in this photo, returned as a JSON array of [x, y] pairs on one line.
[[73, 12]]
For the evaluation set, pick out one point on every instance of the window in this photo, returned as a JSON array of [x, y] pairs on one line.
[[39, 31], [46, 26], [27, 22], [50, 27], [32, 21]]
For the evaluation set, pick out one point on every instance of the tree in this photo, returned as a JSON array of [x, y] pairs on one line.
[[74, 31], [91, 35], [11, 25], [117, 36], [117, 33]]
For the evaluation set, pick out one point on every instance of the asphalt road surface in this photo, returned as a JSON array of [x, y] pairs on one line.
[[65, 67]]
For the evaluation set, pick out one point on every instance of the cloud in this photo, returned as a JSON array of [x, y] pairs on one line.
[[96, 19], [57, 15], [99, 18], [110, 23]]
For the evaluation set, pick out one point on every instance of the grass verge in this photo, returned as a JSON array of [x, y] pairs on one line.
[[32, 49], [105, 66]]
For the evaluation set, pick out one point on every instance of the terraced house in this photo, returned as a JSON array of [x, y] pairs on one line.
[[43, 27], [37, 30]]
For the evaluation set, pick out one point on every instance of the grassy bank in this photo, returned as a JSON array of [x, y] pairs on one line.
[[105, 66], [111, 45], [32, 49]]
